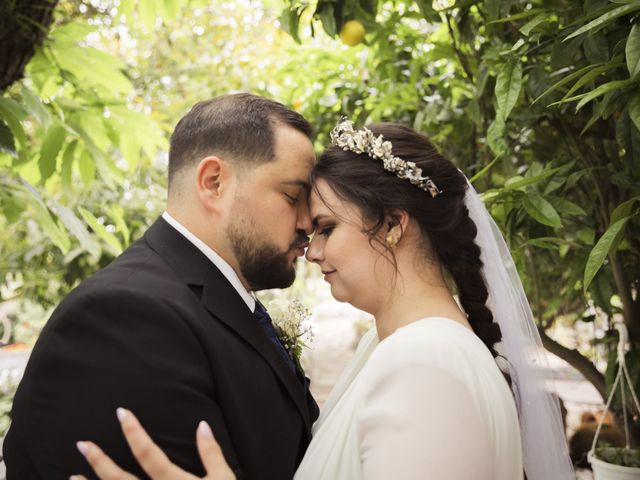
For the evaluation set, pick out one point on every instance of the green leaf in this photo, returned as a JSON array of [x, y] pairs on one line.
[[36, 107], [172, 8], [517, 16], [586, 236], [161, 10], [327, 17], [426, 8], [541, 210], [564, 80], [147, 134], [634, 110], [517, 45], [524, 181], [531, 24], [67, 164], [109, 238], [550, 243], [17, 110], [71, 33], [601, 250], [87, 168], [590, 76], [147, 10], [596, 48], [601, 90], [621, 211], [50, 148], [7, 144], [495, 136], [77, 229], [126, 8], [508, 87], [93, 67], [12, 114], [290, 22], [482, 172], [632, 51], [568, 207], [604, 20], [130, 150], [57, 235], [116, 213]]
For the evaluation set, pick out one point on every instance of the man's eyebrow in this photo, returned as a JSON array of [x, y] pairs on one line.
[[297, 183]]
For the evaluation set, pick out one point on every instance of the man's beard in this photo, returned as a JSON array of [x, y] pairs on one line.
[[261, 263]]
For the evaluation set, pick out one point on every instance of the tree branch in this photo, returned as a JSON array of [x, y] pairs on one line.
[[628, 305], [577, 361], [456, 48]]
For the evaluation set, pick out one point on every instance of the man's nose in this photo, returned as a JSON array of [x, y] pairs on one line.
[[304, 219]]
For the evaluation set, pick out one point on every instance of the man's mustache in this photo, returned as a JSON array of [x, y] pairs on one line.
[[300, 241]]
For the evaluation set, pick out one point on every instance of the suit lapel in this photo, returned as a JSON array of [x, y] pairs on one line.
[[223, 302]]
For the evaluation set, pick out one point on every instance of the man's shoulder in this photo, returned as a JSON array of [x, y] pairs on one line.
[[138, 274]]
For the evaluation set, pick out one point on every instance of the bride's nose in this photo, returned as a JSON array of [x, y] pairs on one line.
[[314, 251]]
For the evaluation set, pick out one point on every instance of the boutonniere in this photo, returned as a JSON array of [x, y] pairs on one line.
[[291, 322]]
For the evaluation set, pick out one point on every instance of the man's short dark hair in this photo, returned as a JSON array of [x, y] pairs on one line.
[[240, 126]]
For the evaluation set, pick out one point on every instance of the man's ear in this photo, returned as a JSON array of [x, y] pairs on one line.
[[214, 181]]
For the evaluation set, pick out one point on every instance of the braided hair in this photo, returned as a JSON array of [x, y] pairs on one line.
[[444, 220]]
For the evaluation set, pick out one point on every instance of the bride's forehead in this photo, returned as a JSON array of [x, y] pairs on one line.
[[321, 195], [325, 202]]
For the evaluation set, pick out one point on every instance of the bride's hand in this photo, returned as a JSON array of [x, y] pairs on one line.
[[153, 460]]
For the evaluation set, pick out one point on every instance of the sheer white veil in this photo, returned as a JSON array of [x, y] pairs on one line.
[[544, 446]]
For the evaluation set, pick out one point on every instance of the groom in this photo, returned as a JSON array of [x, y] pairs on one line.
[[171, 329]]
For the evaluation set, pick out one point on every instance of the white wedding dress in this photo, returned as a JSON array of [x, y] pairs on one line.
[[428, 402]]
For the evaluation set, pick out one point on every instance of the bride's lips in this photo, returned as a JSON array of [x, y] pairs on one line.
[[327, 274]]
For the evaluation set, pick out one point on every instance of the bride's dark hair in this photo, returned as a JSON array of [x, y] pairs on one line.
[[444, 220]]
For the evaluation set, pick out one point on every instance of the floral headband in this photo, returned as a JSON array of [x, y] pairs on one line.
[[364, 141]]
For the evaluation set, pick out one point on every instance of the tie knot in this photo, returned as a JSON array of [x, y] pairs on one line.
[[261, 314]]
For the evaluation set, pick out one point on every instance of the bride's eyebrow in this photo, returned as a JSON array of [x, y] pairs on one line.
[[317, 219]]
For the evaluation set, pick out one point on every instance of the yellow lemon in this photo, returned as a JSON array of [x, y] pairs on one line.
[[352, 33]]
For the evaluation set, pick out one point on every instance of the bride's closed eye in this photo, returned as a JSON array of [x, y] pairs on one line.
[[325, 230]]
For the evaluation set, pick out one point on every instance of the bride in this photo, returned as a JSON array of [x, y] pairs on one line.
[[439, 389]]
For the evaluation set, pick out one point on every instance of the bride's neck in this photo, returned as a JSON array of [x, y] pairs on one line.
[[417, 295]]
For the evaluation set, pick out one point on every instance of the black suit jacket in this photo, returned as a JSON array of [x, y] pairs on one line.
[[162, 332]]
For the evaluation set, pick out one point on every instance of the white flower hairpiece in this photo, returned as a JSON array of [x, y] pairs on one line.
[[364, 141]]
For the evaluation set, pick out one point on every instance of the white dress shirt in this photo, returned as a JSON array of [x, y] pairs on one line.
[[216, 259]]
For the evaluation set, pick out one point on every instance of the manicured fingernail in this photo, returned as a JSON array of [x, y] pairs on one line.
[[204, 430], [83, 448], [75, 477], [122, 414]]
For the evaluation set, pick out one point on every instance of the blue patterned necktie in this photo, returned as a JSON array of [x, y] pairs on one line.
[[265, 322]]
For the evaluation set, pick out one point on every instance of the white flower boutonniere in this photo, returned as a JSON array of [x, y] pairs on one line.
[[291, 321]]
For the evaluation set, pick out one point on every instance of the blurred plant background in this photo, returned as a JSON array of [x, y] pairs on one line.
[[537, 101]]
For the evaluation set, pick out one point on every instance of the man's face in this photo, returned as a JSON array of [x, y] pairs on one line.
[[269, 219]]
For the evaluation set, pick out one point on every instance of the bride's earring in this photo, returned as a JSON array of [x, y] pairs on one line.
[[391, 240]]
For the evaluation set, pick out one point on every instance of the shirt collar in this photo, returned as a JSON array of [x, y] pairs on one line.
[[229, 273]]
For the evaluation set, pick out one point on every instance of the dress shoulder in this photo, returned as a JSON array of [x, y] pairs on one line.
[[434, 342]]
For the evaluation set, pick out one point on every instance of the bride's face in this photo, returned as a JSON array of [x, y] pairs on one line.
[[350, 262]]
